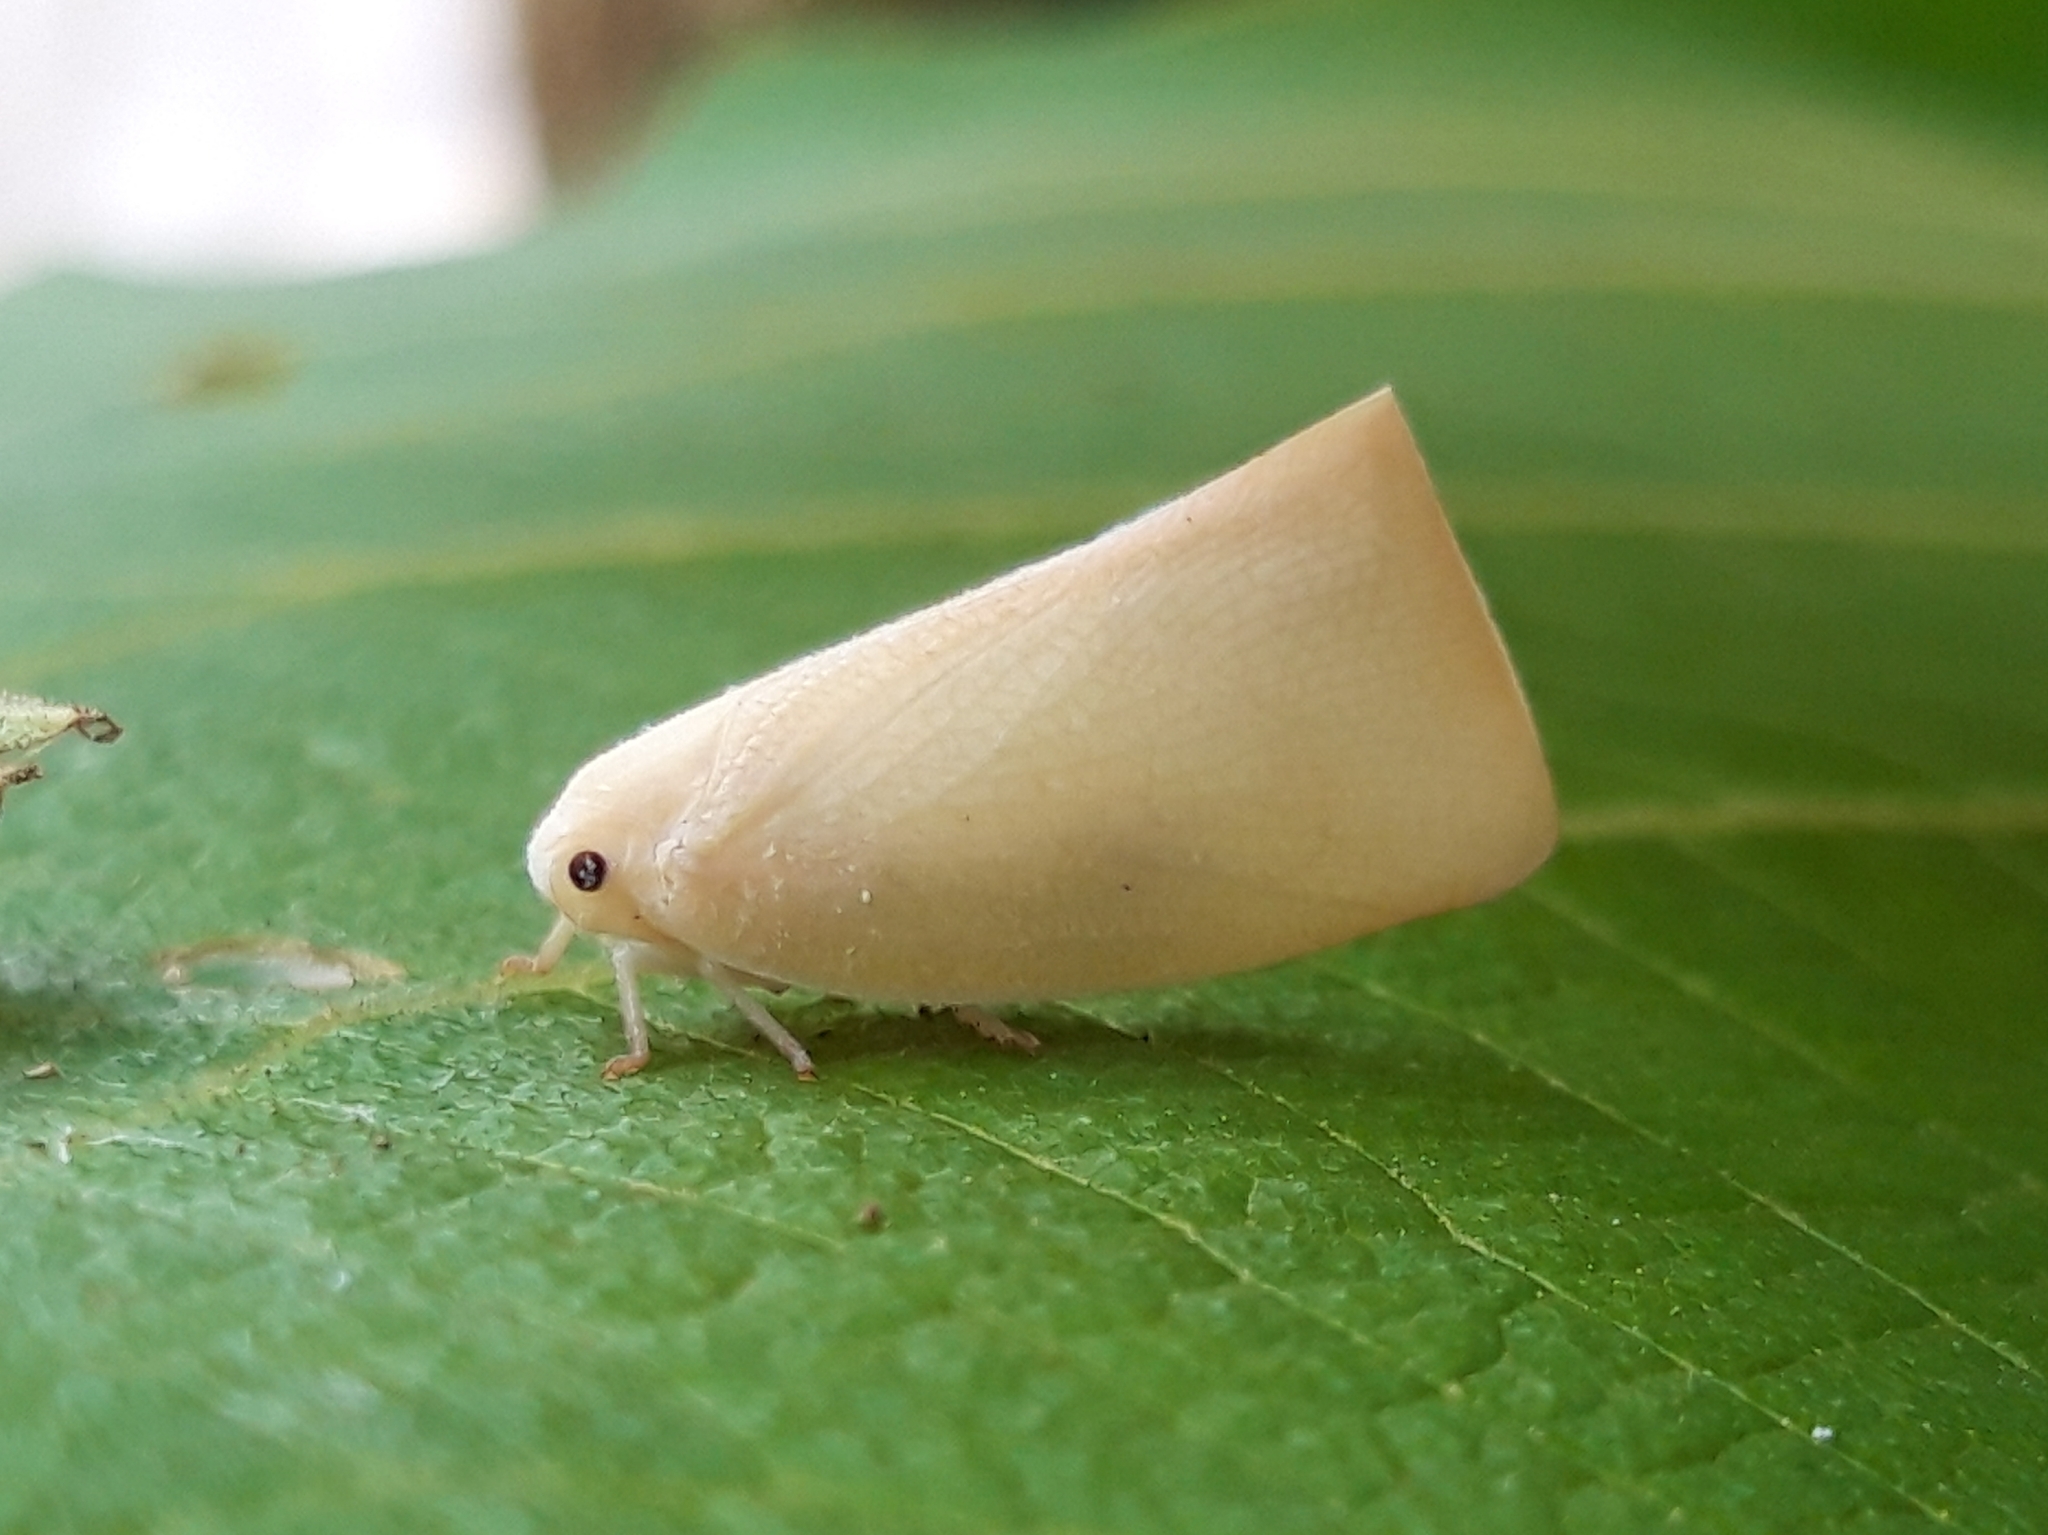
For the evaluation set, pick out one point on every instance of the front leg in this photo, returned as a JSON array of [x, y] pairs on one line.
[[632, 1013], [20, 773], [624, 965], [544, 958]]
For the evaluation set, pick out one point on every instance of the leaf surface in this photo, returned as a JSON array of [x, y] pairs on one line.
[[1703, 1181]]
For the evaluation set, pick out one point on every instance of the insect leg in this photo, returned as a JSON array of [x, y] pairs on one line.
[[547, 956], [763, 1021], [994, 1030], [95, 726], [27, 772], [632, 1013]]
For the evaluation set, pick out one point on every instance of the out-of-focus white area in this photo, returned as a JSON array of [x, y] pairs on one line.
[[260, 138]]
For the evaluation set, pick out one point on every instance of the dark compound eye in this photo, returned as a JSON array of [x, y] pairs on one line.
[[586, 870]]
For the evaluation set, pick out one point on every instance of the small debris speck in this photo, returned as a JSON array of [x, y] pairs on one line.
[[872, 1217], [42, 1071]]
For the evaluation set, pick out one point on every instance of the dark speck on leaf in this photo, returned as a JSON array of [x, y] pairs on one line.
[[231, 366], [872, 1217]]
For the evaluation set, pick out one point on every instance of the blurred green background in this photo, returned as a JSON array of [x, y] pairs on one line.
[[1701, 1183]]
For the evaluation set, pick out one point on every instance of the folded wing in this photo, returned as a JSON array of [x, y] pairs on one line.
[[1262, 719]]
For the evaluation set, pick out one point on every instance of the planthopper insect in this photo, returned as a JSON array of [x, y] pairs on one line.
[[1260, 720]]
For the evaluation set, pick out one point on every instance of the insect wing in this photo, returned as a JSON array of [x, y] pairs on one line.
[[1252, 723]]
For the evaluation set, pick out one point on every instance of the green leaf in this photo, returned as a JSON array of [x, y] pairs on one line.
[[1704, 1181]]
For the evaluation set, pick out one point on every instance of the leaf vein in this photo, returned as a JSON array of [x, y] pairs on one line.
[[1483, 1249], [1178, 1226], [1763, 1201]]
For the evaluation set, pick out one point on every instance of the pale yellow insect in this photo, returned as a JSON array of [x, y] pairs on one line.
[[1263, 719]]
